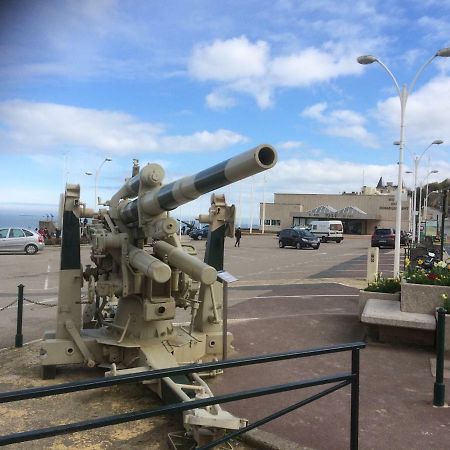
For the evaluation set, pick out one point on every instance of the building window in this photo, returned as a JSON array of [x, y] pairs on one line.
[[275, 222], [267, 222]]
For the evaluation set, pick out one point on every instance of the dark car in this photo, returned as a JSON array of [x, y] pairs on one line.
[[199, 233], [385, 237], [298, 239]]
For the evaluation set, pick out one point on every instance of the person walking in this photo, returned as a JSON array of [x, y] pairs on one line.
[[237, 235]]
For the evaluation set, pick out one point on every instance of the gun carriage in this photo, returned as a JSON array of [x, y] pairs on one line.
[[141, 273]]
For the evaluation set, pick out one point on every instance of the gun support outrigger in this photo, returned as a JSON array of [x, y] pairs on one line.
[[143, 289]]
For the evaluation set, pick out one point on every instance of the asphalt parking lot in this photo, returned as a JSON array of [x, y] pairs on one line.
[[256, 263], [285, 299]]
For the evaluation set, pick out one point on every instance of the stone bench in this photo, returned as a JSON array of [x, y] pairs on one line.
[[387, 323]]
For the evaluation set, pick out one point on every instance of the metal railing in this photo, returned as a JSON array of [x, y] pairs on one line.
[[338, 381]]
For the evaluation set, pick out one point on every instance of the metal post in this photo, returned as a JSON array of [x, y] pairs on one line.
[[443, 216], [19, 336], [354, 412], [439, 386], [225, 321]]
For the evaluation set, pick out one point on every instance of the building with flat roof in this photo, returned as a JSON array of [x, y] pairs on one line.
[[360, 213]]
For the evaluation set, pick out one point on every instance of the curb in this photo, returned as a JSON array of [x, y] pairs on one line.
[[263, 440]]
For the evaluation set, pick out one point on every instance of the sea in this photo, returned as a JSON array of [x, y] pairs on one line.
[[25, 219], [30, 219]]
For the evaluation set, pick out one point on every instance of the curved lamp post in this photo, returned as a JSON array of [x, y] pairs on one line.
[[416, 172], [403, 95], [420, 201], [97, 173]]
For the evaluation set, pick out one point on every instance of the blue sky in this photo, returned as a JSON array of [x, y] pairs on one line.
[[188, 84]]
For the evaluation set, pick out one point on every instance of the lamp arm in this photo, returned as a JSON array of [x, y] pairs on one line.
[[381, 63], [419, 72]]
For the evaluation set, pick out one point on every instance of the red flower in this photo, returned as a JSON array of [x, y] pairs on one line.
[[432, 276]]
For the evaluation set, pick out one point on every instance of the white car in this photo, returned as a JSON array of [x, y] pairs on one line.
[[18, 240]]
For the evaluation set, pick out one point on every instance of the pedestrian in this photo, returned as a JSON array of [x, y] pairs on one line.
[[237, 235]]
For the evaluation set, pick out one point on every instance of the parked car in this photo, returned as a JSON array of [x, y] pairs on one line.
[[199, 233], [19, 240], [298, 239], [385, 237]]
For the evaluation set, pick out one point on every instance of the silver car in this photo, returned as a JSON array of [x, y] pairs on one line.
[[18, 240]]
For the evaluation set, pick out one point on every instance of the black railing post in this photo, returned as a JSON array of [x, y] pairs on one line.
[[19, 336], [354, 412], [439, 386]]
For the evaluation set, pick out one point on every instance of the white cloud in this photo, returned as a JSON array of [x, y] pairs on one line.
[[290, 145], [310, 66], [219, 100], [341, 123], [33, 127], [240, 66], [426, 114], [229, 60]]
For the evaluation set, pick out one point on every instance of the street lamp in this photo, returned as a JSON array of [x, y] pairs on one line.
[[415, 172], [403, 95], [420, 201], [97, 173]]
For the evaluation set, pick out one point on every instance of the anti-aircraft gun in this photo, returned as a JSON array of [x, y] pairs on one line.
[[141, 267]]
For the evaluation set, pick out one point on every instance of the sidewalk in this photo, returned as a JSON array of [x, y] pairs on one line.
[[396, 384]]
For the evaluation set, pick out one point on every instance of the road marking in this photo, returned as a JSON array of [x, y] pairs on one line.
[[46, 278]]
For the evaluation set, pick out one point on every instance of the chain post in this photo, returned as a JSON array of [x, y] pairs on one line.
[[354, 407], [19, 335], [439, 386]]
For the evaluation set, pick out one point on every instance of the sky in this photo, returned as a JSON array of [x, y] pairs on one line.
[[189, 84]]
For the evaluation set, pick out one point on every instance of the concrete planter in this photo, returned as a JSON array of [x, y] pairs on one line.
[[422, 298], [366, 295]]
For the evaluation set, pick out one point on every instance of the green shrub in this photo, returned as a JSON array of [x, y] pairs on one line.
[[387, 285]]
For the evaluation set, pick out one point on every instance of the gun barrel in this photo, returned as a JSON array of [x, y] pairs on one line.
[[189, 264], [179, 192], [149, 265]]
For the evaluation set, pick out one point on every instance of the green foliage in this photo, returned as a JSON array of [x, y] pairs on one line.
[[386, 285], [438, 275]]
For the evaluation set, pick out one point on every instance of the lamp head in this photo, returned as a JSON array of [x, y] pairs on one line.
[[108, 159], [88, 173], [396, 142], [438, 142], [366, 59], [443, 52], [434, 171]]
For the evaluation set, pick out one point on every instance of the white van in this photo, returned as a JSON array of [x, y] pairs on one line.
[[327, 230]]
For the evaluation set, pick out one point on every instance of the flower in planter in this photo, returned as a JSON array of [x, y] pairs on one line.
[[439, 274], [382, 284]]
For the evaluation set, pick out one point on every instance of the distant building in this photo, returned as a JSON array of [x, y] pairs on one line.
[[360, 212]]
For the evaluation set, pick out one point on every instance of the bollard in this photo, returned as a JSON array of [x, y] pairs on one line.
[[439, 386], [19, 336], [372, 263]]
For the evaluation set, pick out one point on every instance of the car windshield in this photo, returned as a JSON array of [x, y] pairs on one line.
[[383, 231], [307, 234]]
